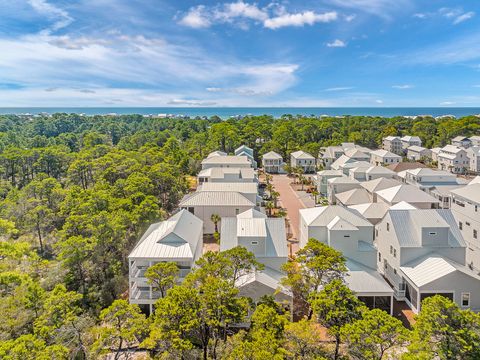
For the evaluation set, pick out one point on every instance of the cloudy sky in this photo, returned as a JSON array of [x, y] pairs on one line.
[[241, 53]]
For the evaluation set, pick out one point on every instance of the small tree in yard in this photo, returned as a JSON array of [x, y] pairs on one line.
[[274, 194], [269, 206], [373, 335], [123, 325], [336, 306], [215, 219], [162, 276]]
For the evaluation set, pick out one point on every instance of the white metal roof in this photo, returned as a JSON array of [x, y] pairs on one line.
[[268, 277], [342, 180], [322, 216], [379, 184], [355, 153], [217, 153], [363, 280], [342, 160], [379, 170], [371, 210], [330, 173], [353, 197], [460, 138], [408, 193], [340, 224], [470, 192], [216, 198], [410, 138], [427, 269], [302, 155], [402, 205], [220, 172], [255, 227], [408, 223], [451, 149], [251, 213], [175, 238], [390, 138], [416, 148], [226, 159], [384, 153], [272, 155]]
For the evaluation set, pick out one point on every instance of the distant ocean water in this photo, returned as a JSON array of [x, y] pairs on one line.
[[225, 112]]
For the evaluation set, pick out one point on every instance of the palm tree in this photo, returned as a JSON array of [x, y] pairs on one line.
[[215, 219], [269, 206], [315, 194], [281, 213], [274, 194]]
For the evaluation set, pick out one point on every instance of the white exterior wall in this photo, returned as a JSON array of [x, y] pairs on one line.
[[455, 165], [226, 165], [418, 155], [394, 146], [308, 165], [205, 213], [384, 160], [468, 213]]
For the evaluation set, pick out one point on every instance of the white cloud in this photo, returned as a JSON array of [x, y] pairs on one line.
[[420, 15], [381, 8], [196, 18], [190, 102], [61, 17], [464, 17], [272, 16], [340, 88], [403, 87], [44, 61], [446, 103], [336, 43], [378, 101], [300, 19], [456, 14]]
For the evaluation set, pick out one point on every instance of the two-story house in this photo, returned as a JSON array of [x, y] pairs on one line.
[[409, 140], [454, 159], [384, 158], [273, 163], [244, 150], [473, 154], [304, 160], [178, 239], [415, 153], [462, 141], [393, 144], [346, 231], [422, 253]]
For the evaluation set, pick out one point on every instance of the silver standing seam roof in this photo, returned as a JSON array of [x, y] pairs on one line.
[[406, 225], [175, 238], [215, 198]]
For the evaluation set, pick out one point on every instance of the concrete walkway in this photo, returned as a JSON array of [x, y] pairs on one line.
[[290, 201]]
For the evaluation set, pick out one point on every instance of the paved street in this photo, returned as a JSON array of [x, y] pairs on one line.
[[289, 200]]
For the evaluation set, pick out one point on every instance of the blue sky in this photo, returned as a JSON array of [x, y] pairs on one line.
[[239, 53]]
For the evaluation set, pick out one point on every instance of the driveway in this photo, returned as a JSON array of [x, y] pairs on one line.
[[291, 202]]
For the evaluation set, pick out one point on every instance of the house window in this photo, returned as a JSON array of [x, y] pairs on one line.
[[391, 249], [346, 236], [475, 234], [379, 257], [237, 211], [395, 271], [376, 232], [460, 225], [254, 242], [388, 227], [465, 299], [191, 210], [467, 223], [432, 233], [394, 252]]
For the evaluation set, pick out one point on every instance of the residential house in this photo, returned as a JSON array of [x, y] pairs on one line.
[[435, 151], [359, 172], [341, 161], [303, 160], [475, 140], [454, 159], [354, 165], [461, 141], [415, 153], [348, 232], [393, 144], [338, 185], [329, 155], [266, 238], [384, 157], [244, 150], [230, 175], [422, 253], [473, 154], [322, 179], [273, 163], [466, 210], [217, 153], [226, 161], [178, 239], [408, 141], [409, 194], [203, 204], [378, 172]]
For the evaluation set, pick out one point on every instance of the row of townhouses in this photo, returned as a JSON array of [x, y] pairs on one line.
[[227, 186], [407, 231]]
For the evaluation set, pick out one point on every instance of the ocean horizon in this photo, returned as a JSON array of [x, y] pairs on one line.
[[226, 112]]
